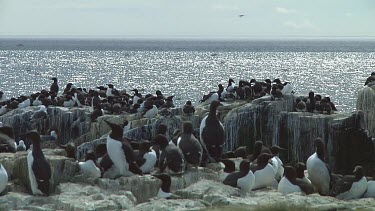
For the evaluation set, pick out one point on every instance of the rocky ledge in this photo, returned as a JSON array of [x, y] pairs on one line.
[[138, 193]]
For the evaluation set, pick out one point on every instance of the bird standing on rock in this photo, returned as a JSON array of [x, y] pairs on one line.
[[120, 152], [54, 86], [38, 166], [171, 157], [188, 109], [146, 157], [212, 134], [189, 145], [318, 171]]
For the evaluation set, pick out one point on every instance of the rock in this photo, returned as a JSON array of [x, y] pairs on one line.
[[366, 103], [72, 197], [340, 132], [71, 123], [226, 198], [147, 186], [255, 121], [210, 191], [86, 197], [170, 205], [100, 128], [63, 168], [83, 148], [23, 201]]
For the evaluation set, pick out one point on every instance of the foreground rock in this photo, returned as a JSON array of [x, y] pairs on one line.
[[194, 190], [200, 195], [63, 168], [220, 195], [72, 197]]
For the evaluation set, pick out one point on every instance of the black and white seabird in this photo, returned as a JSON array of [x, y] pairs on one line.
[[146, 157], [350, 187], [276, 162], [54, 86], [318, 171], [171, 157], [38, 166], [257, 150], [229, 167], [189, 145], [263, 171], [212, 134], [188, 109], [89, 166], [120, 152], [300, 169], [290, 183], [243, 179]]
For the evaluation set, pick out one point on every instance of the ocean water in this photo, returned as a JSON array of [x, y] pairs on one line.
[[188, 68]]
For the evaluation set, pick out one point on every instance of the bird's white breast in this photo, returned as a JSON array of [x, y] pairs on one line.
[[89, 168], [285, 186], [33, 183], [246, 183], [163, 194], [115, 152], [356, 191], [370, 192], [150, 161], [264, 178], [3, 178], [318, 173]]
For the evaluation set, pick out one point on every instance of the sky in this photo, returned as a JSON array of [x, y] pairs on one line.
[[188, 18]]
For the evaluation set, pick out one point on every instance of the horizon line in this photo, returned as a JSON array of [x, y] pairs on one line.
[[172, 37]]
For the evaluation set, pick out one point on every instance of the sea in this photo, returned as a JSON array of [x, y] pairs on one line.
[[188, 68]]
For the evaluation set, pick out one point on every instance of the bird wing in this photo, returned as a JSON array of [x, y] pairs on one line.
[[342, 185], [128, 151], [41, 175], [306, 187], [231, 179]]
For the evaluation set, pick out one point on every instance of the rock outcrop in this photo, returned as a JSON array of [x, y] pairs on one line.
[[274, 122], [63, 168], [195, 190], [68, 123], [245, 122], [366, 103]]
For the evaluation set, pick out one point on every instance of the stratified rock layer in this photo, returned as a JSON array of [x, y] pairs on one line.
[[366, 103]]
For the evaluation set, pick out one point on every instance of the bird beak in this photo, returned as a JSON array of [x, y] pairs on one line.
[[157, 176], [109, 123]]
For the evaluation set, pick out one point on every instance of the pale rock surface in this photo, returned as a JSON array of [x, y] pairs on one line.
[[366, 103]]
